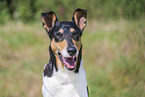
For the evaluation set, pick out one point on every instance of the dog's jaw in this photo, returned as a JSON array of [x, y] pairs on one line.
[[69, 62]]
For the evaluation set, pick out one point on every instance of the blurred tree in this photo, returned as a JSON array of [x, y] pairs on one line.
[[29, 10]]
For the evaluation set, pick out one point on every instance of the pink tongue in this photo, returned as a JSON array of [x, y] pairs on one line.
[[71, 62]]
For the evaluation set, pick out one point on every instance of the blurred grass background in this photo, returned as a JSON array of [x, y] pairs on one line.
[[113, 46]]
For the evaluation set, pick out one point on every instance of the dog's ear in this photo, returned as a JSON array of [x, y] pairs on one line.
[[48, 20], [80, 18]]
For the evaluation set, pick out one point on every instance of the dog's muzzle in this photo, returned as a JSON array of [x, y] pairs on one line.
[[69, 62]]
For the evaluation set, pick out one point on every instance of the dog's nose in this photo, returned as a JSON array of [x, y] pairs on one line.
[[71, 51]]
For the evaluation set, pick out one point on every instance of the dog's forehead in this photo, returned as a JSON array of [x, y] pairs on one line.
[[66, 25]]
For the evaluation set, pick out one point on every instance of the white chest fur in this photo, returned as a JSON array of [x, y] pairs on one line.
[[65, 84]]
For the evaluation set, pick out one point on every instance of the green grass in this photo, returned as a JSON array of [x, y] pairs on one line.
[[113, 55]]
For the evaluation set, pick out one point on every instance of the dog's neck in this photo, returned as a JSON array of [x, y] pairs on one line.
[[65, 83]]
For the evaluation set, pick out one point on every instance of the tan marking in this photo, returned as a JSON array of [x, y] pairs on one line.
[[53, 46], [77, 44], [72, 29], [61, 30], [45, 25], [58, 46], [75, 17], [61, 45], [59, 63], [53, 20]]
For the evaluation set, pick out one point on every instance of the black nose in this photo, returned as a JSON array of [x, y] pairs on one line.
[[71, 51]]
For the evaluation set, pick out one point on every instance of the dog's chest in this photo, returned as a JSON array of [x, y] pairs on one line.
[[65, 84]]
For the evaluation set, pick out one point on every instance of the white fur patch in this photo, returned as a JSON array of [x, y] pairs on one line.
[[65, 84], [65, 53]]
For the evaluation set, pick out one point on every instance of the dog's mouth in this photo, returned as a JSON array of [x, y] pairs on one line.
[[68, 62]]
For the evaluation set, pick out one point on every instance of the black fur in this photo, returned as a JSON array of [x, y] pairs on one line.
[[52, 58], [48, 70], [79, 60], [88, 91]]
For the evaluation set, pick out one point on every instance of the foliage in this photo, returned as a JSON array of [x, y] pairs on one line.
[[29, 10]]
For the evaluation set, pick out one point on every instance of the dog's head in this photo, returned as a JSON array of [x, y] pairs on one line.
[[65, 37]]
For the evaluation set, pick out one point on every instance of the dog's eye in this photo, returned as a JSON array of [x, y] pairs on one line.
[[74, 33], [58, 36]]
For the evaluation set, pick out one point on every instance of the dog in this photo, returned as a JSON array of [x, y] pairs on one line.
[[64, 75]]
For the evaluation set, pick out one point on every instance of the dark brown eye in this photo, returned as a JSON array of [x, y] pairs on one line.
[[74, 33], [58, 36]]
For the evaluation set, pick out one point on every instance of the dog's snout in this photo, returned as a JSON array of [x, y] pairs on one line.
[[71, 51]]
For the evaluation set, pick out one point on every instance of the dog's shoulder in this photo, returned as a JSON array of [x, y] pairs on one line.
[[48, 70]]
